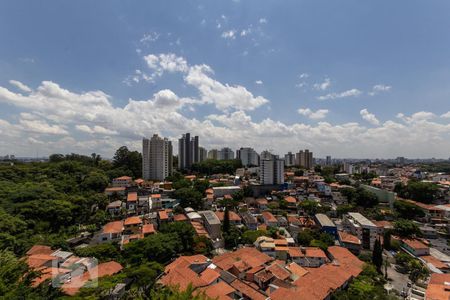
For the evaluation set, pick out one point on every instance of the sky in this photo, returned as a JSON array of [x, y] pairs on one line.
[[348, 78]]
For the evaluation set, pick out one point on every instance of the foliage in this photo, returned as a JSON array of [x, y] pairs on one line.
[[305, 237], [159, 247], [360, 197], [131, 160], [212, 166], [102, 252], [202, 245], [232, 238], [406, 210], [189, 198], [343, 209], [184, 231], [420, 191], [250, 236], [377, 255], [16, 280], [368, 285], [406, 228], [310, 207]]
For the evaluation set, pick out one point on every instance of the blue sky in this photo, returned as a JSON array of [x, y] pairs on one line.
[[343, 78]]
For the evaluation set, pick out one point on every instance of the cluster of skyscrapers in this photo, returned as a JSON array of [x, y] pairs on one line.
[[157, 158]]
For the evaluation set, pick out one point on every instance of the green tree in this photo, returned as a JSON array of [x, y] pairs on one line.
[[377, 255], [226, 221], [406, 228], [184, 231], [417, 270], [250, 236], [103, 252], [305, 237], [189, 198], [131, 160], [409, 211]]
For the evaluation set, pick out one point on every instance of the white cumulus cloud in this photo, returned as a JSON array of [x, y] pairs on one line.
[[369, 117], [318, 114], [344, 94]]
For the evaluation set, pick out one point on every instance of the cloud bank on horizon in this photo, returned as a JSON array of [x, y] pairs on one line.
[[172, 89]]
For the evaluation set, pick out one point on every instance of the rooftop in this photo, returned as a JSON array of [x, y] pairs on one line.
[[363, 221], [324, 220]]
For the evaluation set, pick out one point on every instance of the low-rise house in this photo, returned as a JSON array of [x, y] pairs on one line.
[[269, 219], [438, 287], [262, 203], [311, 257], [291, 201], [282, 221], [155, 202], [123, 181], [114, 208], [326, 225], [349, 241], [249, 220], [119, 191], [180, 218], [132, 202], [132, 225], [148, 229], [366, 231], [111, 231], [234, 217], [415, 247], [211, 223], [435, 265]]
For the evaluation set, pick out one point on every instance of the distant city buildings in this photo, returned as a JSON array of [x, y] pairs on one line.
[[203, 154], [225, 154], [266, 155], [328, 161], [213, 154], [305, 159], [248, 156], [156, 158], [188, 151], [272, 171], [289, 159]]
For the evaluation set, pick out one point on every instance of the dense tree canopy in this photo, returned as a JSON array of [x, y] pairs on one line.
[[212, 166], [420, 191]]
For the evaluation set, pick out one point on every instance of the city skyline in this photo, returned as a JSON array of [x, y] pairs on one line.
[[328, 77]]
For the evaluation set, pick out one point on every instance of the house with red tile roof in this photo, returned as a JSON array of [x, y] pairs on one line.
[[269, 219], [132, 224], [415, 247], [73, 286], [349, 241], [234, 217], [111, 231], [320, 283], [123, 181], [311, 257], [438, 287]]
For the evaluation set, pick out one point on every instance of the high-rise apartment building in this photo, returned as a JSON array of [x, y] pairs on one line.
[[328, 160], [289, 159], [266, 155], [156, 158], [213, 154], [203, 154], [188, 151], [272, 171], [305, 159], [248, 156], [225, 154]]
